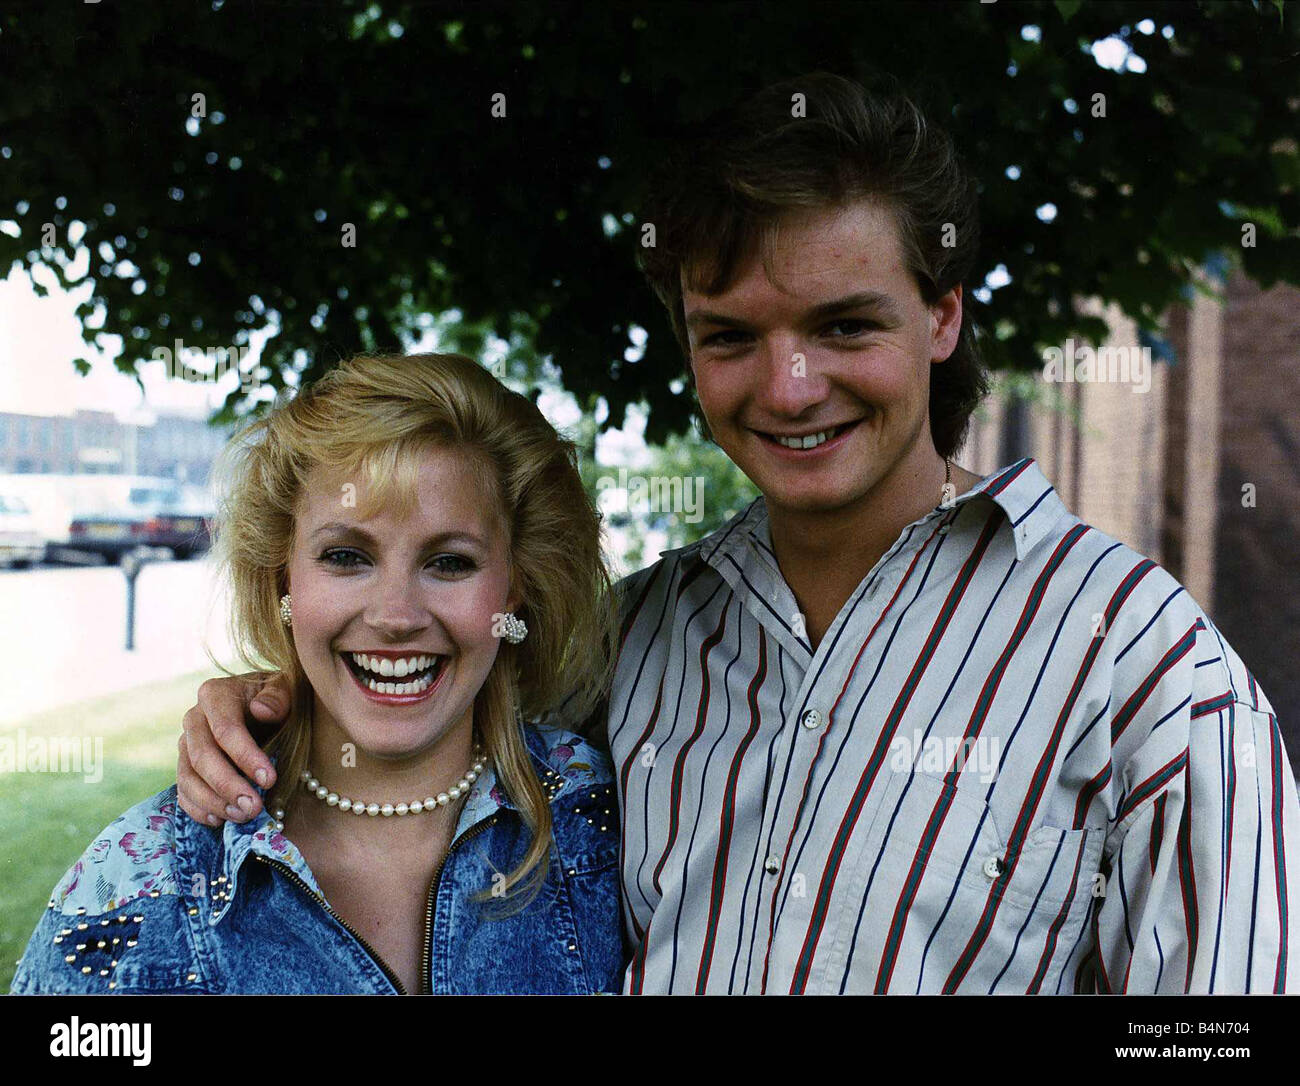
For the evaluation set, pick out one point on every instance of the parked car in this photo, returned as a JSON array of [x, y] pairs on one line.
[[109, 532], [21, 541], [180, 527], [149, 517]]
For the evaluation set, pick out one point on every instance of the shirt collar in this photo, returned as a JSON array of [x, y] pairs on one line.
[[259, 837], [1029, 501]]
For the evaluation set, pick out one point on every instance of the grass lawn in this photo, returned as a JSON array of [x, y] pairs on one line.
[[48, 819]]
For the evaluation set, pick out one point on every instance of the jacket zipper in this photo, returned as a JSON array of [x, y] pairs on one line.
[[428, 923], [425, 962], [297, 880]]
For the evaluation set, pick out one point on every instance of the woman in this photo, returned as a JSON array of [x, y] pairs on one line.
[[411, 544]]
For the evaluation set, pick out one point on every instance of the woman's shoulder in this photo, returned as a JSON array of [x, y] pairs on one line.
[[579, 777], [115, 921], [567, 755], [133, 857]]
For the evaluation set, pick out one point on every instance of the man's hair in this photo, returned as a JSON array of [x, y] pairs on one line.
[[720, 196]]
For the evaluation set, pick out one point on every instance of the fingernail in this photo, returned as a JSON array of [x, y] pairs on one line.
[[213, 820], [263, 777], [245, 804], [233, 812]]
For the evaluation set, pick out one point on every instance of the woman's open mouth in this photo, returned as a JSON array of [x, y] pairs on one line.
[[395, 679]]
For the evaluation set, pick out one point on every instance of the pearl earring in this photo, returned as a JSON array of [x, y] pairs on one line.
[[514, 628], [286, 609]]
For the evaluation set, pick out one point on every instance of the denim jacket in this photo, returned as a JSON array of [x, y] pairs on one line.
[[161, 903]]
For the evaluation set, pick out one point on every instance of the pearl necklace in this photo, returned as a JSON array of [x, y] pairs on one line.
[[387, 810]]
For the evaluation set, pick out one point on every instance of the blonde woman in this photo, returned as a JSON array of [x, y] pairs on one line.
[[410, 544]]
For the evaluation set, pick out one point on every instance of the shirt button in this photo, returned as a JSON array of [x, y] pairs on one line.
[[771, 865], [993, 867], [811, 719]]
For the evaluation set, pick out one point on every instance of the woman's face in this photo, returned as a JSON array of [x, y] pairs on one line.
[[393, 613]]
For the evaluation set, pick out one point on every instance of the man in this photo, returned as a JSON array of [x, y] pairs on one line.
[[897, 728]]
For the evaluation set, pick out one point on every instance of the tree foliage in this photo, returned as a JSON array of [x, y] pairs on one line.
[[381, 115]]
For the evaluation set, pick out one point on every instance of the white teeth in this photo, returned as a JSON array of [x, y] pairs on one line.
[[809, 442], [379, 665], [411, 665]]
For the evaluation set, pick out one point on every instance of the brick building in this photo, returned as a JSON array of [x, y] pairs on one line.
[[1200, 472]]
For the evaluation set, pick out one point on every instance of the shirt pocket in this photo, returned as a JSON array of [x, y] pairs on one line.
[[953, 834], [957, 911]]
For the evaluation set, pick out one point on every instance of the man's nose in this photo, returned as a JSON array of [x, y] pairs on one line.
[[792, 383]]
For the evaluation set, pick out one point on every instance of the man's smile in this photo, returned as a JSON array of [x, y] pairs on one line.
[[808, 441]]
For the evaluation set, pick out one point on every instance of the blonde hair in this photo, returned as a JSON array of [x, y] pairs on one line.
[[371, 418]]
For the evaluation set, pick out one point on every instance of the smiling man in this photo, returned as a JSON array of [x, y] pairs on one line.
[[896, 727], [813, 373]]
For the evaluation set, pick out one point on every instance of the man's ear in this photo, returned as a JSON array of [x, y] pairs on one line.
[[945, 324], [697, 411]]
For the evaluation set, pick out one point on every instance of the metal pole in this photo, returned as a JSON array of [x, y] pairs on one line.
[[131, 565]]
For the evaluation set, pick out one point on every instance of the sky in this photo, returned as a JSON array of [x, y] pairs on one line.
[[39, 337]]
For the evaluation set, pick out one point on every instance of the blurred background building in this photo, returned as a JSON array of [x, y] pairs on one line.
[[96, 442], [1198, 473]]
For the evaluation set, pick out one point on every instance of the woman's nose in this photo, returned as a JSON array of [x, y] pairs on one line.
[[396, 612]]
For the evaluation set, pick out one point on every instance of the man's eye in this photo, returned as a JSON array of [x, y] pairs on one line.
[[452, 564], [342, 558], [849, 327], [729, 338]]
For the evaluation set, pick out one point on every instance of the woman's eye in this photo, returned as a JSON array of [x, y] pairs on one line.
[[342, 558], [452, 564]]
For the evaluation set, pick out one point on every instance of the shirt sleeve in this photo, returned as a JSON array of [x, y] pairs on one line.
[[1203, 858]]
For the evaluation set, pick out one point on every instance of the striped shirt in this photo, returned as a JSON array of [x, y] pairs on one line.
[[1021, 759]]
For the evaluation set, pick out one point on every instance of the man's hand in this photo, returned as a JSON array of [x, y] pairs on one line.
[[217, 745]]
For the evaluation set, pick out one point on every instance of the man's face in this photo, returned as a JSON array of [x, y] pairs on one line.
[[836, 359]]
